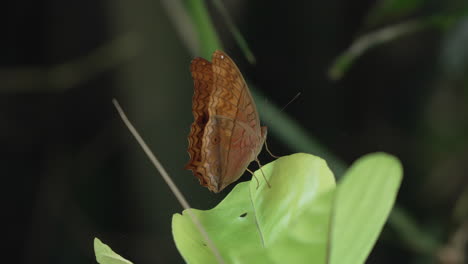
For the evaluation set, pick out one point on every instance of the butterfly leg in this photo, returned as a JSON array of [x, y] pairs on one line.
[[258, 184], [269, 152], [263, 174]]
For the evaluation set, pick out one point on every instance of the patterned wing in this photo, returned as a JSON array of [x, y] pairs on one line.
[[229, 149], [233, 136], [231, 96], [202, 76]]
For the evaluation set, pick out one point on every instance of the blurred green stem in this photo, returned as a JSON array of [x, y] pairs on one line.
[[183, 23], [66, 75], [344, 61], [410, 234], [235, 31], [208, 40]]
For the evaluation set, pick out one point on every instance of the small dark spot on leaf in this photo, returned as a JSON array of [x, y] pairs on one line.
[[243, 215], [204, 244]]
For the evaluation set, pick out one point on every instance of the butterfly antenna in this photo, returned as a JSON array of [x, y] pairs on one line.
[[253, 174], [263, 174], [269, 152], [282, 109], [290, 101], [177, 193]]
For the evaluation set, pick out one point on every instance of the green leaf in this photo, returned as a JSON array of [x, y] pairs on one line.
[[304, 241], [363, 202], [303, 218], [105, 255], [258, 225]]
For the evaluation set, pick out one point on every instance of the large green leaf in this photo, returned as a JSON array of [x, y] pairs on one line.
[[362, 204], [303, 241], [265, 225], [301, 219]]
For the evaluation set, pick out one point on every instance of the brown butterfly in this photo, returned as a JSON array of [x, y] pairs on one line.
[[226, 134]]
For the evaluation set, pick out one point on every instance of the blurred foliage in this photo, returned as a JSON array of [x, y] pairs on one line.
[[207, 38], [391, 10], [344, 61]]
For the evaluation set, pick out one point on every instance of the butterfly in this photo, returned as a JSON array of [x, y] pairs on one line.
[[226, 135]]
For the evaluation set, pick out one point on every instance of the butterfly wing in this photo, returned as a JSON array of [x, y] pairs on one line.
[[235, 145], [202, 75], [226, 134], [233, 136]]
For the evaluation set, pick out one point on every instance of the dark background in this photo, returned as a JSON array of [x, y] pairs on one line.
[[71, 171]]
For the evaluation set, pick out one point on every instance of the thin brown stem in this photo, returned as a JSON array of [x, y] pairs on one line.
[[175, 190]]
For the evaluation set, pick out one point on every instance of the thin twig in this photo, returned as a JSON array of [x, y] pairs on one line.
[[180, 197]]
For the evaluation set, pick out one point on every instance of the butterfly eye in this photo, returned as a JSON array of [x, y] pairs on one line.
[[215, 140]]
